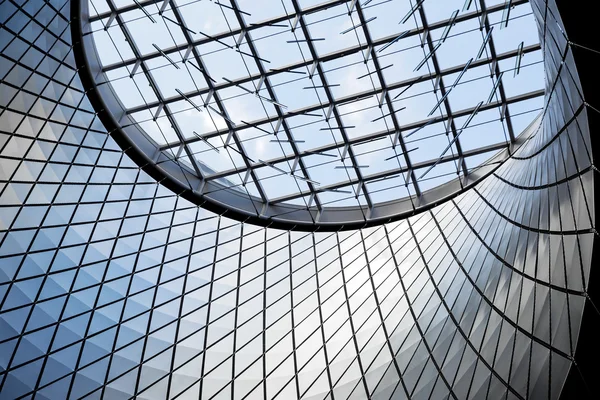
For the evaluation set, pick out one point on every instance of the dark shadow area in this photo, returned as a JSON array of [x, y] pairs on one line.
[[581, 26]]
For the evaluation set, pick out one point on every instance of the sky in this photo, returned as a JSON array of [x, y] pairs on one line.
[[251, 107]]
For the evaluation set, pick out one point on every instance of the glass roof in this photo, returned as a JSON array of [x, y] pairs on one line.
[[324, 103]]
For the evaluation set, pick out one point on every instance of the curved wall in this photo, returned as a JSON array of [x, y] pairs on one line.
[[112, 286]]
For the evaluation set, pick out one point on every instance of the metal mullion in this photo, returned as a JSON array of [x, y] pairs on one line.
[[533, 279], [181, 301], [487, 249], [156, 329], [132, 7], [391, 86], [503, 324], [123, 10], [308, 10], [31, 73], [388, 100], [436, 67], [329, 95], [383, 174], [94, 307], [218, 102], [38, 135], [315, 107], [528, 227], [44, 28], [263, 382], [133, 317], [177, 129], [218, 36], [455, 278], [472, 296], [9, 103], [326, 148], [273, 345], [37, 48], [182, 339], [44, 358], [175, 125], [151, 311], [564, 153], [269, 88], [466, 335], [155, 88], [496, 72], [293, 321], [153, 85]]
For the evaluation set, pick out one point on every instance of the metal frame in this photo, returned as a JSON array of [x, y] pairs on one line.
[[210, 188]]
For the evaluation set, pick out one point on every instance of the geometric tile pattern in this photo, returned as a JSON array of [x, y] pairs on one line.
[[112, 286]]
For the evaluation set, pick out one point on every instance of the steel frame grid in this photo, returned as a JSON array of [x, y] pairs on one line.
[[576, 176], [450, 126], [343, 100], [219, 103], [172, 120], [269, 87], [275, 20], [346, 144], [372, 54], [329, 95]]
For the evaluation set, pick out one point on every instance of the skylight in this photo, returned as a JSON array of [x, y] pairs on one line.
[[322, 104]]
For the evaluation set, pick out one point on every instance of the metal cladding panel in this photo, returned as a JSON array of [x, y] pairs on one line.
[[112, 286]]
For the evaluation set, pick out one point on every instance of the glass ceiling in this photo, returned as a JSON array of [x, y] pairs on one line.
[[322, 104]]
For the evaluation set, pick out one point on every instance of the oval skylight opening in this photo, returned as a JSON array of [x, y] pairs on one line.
[[306, 112]]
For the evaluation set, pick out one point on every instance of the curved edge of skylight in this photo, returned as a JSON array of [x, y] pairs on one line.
[[233, 202]]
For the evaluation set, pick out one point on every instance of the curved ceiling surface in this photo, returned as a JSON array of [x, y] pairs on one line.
[[325, 113], [114, 286]]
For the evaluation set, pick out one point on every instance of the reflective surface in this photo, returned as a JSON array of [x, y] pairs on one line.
[[112, 286], [285, 110]]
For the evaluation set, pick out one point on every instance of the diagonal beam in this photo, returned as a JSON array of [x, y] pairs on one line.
[[381, 134], [154, 85], [388, 100], [446, 102], [495, 70], [323, 58], [273, 96], [393, 86], [218, 102], [131, 7], [394, 171], [218, 36], [330, 99], [307, 10]]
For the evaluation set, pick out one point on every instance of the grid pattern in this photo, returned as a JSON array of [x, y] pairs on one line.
[[112, 286], [277, 104]]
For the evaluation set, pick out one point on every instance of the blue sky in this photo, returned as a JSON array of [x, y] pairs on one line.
[[223, 62]]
